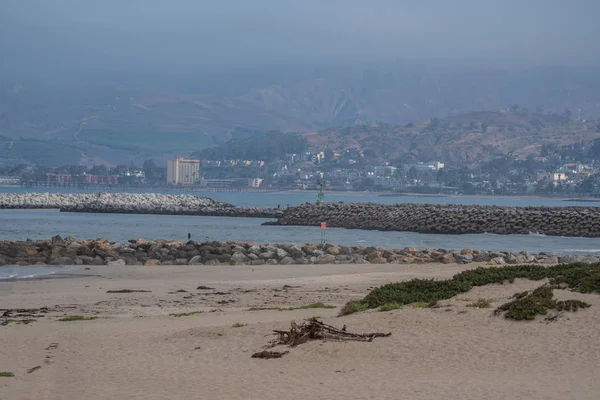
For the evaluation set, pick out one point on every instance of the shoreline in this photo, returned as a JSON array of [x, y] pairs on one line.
[[177, 324], [68, 251]]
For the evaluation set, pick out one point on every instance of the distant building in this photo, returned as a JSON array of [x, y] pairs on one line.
[[231, 182], [559, 176], [9, 180], [428, 166], [64, 179], [181, 171]]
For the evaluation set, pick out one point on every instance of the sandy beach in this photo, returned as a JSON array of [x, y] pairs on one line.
[[135, 349]]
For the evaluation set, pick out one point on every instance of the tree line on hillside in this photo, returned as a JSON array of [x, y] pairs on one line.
[[270, 146], [126, 173]]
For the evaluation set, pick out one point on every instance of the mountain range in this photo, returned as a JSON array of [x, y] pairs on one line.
[[111, 118]]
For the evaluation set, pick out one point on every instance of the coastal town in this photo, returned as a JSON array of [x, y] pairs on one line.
[[552, 174]]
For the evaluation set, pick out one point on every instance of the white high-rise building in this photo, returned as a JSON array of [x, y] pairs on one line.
[[181, 171]]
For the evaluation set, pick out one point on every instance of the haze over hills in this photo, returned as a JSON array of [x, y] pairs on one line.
[[123, 118], [107, 82]]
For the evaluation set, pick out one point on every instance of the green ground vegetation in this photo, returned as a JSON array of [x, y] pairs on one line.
[[579, 277], [77, 318]]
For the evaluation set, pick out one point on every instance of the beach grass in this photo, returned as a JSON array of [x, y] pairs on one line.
[[318, 304], [579, 277], [538, 302], [238, 325], [6, 374], [390, 307], [77, 318], [186, 314], [481, 303]]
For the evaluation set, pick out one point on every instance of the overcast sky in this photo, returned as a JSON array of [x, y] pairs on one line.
[[130, 35]]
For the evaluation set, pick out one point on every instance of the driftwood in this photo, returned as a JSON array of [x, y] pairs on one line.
[[313, 329], [269, 354]]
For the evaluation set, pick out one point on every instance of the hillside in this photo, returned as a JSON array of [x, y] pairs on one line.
[[465, 138], [115, 119]]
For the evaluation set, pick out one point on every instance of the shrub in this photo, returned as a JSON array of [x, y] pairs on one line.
[[579, 277]]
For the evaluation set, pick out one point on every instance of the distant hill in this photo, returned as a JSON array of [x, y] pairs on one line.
[[115, 119], [459, 139]]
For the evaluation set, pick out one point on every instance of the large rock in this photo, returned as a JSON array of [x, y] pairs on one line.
[[294, 251], [448, 258], [550, 260], [268, 255], [333, 250], [482, 256], [464, 258], [92, 260], [255, 249], [374, 255], [62, 261], [325, 259], [497, 261], [280, 253], [238, 258]]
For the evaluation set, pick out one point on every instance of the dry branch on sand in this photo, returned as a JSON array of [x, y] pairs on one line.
[[269, 354], [313, 329]]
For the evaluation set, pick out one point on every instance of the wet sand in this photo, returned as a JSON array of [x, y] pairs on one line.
[[136, 350]]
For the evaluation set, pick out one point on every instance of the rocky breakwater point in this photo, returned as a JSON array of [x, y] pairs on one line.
[[448, 218], [68, 251], [132, 203]]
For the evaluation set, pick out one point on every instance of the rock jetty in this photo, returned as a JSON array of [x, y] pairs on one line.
[[132, 203], [448, 218], [68, 251]]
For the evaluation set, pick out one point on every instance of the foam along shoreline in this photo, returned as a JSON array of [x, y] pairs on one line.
[[448, 218], [132, 203], [68, 251]]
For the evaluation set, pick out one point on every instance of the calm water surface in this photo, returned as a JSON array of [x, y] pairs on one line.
[[43, 224]]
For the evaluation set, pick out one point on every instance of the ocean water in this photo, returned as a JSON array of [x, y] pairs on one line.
[[43, 224], [9, 273], [284, 199]]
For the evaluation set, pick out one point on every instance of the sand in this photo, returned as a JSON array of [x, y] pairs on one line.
[[135, 350]]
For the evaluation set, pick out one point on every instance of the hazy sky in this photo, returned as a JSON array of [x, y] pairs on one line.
[[38, 35]]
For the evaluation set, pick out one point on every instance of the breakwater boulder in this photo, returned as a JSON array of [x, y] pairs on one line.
[[448, 218], [132, 203], [68, 251]]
